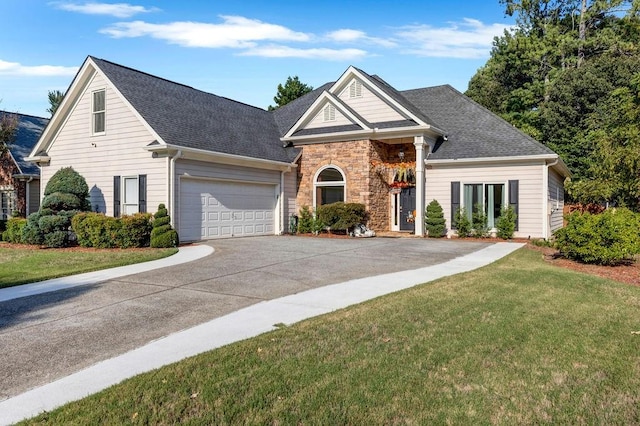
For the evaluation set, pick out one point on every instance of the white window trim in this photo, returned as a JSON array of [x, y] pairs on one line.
[[505, 198], [317, 184], [123, 189], [93, 113]]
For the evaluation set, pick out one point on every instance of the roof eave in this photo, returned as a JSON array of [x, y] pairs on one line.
[[220, 157], [506, 159], [374, 133]]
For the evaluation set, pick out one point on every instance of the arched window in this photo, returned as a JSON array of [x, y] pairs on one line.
[[329, 186]]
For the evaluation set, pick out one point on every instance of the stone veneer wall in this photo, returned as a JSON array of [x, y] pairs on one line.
[[364, 184]]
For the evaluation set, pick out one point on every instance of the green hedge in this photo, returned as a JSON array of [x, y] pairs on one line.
[[100, 231], [341, 216], [608, 238], [13, 231]]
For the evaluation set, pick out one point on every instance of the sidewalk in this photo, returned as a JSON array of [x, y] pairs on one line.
[[239, 325]]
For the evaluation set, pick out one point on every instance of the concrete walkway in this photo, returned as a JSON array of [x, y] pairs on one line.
[[241, 324]]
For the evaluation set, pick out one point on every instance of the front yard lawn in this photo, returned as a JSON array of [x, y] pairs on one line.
[[517, 342], [27, 265]]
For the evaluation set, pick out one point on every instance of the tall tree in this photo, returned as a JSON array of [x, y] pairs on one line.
[[8, 126], [293, 88], [55, 97]]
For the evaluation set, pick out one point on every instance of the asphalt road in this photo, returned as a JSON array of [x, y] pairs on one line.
[[48, 336]]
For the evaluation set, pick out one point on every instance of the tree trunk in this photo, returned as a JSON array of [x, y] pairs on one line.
[[582, 32]]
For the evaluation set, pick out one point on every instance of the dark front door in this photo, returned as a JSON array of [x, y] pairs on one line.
[[407, 209]]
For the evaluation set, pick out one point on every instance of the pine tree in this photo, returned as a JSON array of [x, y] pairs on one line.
[[434, 220]]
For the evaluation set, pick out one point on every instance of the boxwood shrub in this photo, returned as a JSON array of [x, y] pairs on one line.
[[607, 238], [100, 231], [341, 216]]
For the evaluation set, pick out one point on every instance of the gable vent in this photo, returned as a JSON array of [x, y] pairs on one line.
[[329, 113], [355, 89]]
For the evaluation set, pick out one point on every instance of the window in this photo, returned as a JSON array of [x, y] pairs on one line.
[[129, 195], [98, 112], [329, 186], [329, 113], [5, 205], [489, 197]]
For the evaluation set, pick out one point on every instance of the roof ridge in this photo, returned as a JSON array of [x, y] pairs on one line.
[[174, 82]]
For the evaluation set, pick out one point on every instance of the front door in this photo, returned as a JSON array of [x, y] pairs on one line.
[[407, 209]]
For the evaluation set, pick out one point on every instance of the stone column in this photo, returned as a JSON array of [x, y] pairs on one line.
[[419, 143]]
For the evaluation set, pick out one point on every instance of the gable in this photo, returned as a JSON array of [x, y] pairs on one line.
[[368, 104]]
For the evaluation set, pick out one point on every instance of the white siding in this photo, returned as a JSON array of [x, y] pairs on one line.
[[370, 106], [530, 197], [118, 152], [318, 120], [290, 195], [556, 200]]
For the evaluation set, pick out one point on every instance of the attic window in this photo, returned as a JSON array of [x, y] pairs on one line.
[[355, 89], [98, 108], [329, 113]]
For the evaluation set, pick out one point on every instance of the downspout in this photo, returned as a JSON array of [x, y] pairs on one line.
[[281, 205], [172, 187], [546, 212]]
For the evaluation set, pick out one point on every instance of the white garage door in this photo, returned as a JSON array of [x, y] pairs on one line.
[[216, 209]]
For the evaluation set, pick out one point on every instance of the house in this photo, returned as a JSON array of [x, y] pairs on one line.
[[20, 179], [227, 169]]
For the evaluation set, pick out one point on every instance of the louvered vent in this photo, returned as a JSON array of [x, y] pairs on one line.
[[329, 113], [355, 90]]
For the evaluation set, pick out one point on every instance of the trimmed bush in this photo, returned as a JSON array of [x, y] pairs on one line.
[[135, 230], [341, 216], [68, 181], [506, 223], [13, 231], [479, 223], [100, 231], [434, 220], [31, 232], [305, 221], [608, 238], [162, 235], [463, 224]]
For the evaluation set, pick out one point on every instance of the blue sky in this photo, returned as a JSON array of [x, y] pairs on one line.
[[243, 49]]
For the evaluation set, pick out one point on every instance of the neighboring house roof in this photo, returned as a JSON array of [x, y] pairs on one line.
[[472, 130], [27, 134], [187, 117]]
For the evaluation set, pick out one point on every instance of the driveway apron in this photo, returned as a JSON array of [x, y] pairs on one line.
[[51, 335]]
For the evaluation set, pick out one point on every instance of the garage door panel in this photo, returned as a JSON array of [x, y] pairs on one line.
[[215, 209]]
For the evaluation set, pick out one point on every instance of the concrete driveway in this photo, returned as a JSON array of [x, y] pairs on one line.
[[48, 336]]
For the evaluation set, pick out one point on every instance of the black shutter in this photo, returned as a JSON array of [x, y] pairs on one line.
[[455, 202], [142, 193], [116, 196], [513, 199]]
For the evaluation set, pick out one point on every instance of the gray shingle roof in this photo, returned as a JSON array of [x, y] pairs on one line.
[[287, 115], [472, 130], [187, 117], [27, 134]]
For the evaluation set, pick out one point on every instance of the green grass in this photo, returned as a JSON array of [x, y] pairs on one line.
[[21, 266], [519, 341]]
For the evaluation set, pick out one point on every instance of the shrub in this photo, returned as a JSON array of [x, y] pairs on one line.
[[31, 232], [434, 220], [479, 223], [56, 239], [341, 216], [68, 181], [607, 238], [135, 230], [506, 223], [305, 221], [13, 231], [463, 224], [162, 235]]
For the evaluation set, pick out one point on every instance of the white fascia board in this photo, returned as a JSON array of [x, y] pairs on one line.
[[315, 108], [38, 159], [219, 157], [487, 160], [336, 102]]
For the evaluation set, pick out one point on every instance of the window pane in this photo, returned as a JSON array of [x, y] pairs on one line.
[[131, 191], [330, 175], [330, 194], [98, 101], [472, 199], [98, 122], [494, 203]]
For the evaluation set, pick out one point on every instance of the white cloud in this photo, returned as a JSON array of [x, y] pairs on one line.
[[275, 51], [347, 35], [119, 10], [14, 68], [467, 39], [233, 32]]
